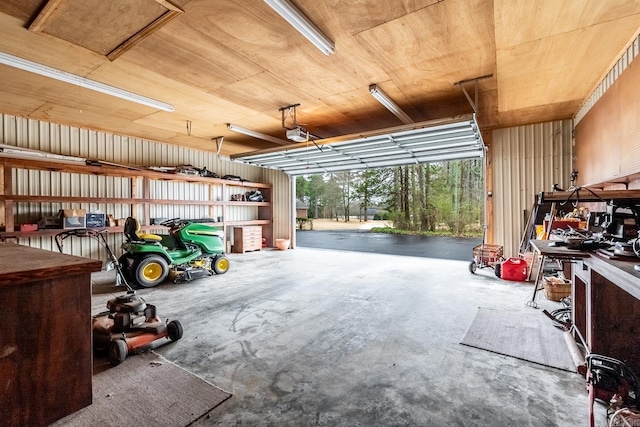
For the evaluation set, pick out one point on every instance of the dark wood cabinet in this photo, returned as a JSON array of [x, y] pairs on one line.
[[606, 307], [45, 340]]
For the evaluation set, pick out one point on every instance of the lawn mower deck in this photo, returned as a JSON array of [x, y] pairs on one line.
[[129, 325]]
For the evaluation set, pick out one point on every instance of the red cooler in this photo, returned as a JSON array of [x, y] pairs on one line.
[[515, 269]]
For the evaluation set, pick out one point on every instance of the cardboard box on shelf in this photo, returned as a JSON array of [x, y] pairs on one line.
[[73, 218], [50, 222], [28, 228], [95, 220]]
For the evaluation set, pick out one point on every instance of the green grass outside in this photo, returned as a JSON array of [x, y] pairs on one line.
[[443, 233]]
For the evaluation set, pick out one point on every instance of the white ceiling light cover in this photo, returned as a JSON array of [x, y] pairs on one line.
[[63, 76], [304, 25], [423, 143]]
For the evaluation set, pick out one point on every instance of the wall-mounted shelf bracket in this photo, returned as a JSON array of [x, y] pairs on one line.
[[462, 83]]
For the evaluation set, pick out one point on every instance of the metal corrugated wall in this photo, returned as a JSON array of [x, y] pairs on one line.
[[282, 204], [526, 160], [67, 140]]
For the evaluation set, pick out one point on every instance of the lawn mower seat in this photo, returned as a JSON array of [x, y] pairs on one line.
[[132, 232]]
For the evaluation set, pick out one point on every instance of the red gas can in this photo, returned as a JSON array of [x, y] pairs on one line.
[[515, 269]]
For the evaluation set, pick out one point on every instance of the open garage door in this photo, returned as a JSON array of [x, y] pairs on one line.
[[426, 142]]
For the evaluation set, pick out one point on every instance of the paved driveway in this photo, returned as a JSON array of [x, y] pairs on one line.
[[455, 248]]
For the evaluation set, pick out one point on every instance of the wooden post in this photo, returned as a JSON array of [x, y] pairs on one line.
[[146, 195], [212, 208], [134, 195], [491, 232], [6, 186], [2, 193]]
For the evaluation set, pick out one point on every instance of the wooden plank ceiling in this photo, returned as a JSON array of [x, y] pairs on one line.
[[237, 61]]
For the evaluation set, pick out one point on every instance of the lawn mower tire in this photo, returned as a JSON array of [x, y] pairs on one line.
[[117, 351], [174, 330], [151, 270], [497, 269], [221, 265], [126, 264]]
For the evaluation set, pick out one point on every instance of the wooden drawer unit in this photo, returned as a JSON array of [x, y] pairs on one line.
[[247, 238]]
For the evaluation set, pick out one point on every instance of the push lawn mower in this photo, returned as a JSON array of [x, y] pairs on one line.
[[609, 380], [615, 384], [130, 325]]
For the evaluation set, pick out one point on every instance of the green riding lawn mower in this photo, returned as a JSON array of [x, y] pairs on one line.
[[191, 250]]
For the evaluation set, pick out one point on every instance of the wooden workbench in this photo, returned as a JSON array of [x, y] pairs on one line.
[[544, 249], [606, 300], [45, 341]]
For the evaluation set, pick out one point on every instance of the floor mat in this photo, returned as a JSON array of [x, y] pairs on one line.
[[146, 390], [526, 335]]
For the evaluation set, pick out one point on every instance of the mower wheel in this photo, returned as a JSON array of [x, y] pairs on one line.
[[625, 417], [126, 263], [117, 351], [497, 268], [221, 265], [151, 271], [472, 267], [174, 329]]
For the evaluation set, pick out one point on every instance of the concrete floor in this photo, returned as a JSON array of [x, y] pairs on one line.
[[319, 337]]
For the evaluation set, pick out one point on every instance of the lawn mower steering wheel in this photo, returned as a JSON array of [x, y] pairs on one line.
[[170, 222]]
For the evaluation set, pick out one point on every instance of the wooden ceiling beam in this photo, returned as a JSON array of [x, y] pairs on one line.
[[163, 20]]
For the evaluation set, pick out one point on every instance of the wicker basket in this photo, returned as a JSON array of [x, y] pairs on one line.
[[486, 254], [555, 288]]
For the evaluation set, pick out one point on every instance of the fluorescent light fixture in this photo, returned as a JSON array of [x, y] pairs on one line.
[[253, 133], [389, 104], [63, 76], [300, 22], [26, 153]]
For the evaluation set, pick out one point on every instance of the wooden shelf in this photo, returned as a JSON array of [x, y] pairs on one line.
[[107, 170], [141, 201], [589, 195], [68, 199], [231, 203], [50, 232], [42, 233], [248, 222]]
